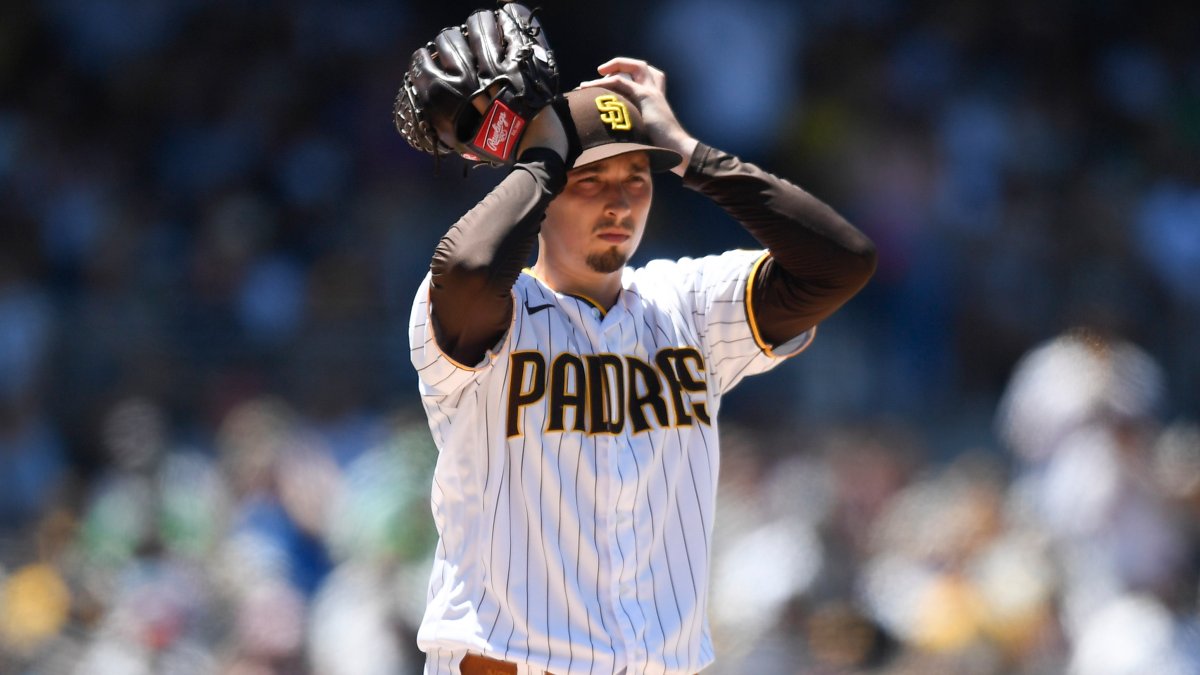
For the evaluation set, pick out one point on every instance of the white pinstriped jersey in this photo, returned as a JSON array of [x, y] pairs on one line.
[[577, 471]]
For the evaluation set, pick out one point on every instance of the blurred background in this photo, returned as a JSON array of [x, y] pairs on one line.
[[213, 458]]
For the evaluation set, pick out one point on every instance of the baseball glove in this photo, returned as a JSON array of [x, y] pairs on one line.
[[475, 87]]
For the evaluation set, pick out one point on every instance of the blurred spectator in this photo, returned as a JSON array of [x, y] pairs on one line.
[[1169, 240], [1083, 412]]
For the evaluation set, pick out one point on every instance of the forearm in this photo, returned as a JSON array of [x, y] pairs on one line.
[[817, 261], [479, 259]]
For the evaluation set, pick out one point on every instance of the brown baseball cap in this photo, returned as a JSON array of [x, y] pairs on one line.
[[607, 124]]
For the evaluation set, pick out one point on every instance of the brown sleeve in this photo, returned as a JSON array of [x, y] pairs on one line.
[[817, 260], [479, 259]]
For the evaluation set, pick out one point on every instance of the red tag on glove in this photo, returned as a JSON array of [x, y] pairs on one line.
[[498, 135]]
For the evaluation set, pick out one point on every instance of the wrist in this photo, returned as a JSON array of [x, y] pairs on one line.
[[685, 146], [545, 131]]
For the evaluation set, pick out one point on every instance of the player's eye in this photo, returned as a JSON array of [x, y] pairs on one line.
[[588, 184]]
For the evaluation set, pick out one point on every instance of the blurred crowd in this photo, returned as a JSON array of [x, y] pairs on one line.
[[1075, 552], [212, 455]]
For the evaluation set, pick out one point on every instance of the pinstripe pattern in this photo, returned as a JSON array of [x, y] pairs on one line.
[[586, 551]]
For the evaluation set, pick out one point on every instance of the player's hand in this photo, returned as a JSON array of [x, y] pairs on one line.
[[474, 88], [646, 86]]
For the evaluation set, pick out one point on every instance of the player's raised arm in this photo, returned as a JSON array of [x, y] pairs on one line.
[[817, 260], [478, 260], [481, 90]]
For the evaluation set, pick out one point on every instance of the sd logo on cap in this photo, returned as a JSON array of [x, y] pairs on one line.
[[607, 124]]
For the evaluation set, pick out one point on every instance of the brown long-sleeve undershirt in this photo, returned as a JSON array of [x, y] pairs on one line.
[[818, 260]]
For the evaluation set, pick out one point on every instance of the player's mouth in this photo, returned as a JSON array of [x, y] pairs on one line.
[[614, 236], [614, 231]]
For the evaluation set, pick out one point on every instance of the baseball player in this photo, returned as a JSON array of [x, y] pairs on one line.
[[575, 403]]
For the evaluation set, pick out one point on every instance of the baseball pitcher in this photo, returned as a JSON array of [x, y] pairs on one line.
[[575, 402]]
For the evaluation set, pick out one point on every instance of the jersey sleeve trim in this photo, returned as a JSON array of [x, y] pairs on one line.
[[758, 339], [786, 350]]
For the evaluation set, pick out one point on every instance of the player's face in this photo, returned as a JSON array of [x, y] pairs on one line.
[[598, 219]]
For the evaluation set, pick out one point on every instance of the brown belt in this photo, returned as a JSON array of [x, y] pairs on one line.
[[481, 665], [473, 664]]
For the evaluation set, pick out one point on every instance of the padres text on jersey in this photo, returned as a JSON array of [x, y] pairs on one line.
[[598, 393]]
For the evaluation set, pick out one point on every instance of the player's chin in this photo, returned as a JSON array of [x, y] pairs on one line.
[[609, 260]]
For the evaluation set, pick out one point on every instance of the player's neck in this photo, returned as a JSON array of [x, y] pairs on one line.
[[602, 288]]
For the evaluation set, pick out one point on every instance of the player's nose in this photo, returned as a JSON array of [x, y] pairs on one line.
[[617, 203]]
